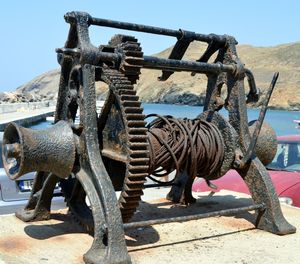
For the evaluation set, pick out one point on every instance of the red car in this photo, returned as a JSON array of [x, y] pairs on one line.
[[284, 171]]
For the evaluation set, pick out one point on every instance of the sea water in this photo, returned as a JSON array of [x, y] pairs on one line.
[[281, 121]]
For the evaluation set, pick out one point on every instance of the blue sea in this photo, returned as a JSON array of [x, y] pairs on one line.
[[281, 121]]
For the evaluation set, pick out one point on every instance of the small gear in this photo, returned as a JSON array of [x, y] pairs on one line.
[[132, 60]]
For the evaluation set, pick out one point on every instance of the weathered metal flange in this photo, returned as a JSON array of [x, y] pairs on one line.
[[266, 145], [230, 139]]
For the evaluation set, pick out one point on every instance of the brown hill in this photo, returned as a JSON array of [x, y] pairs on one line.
[[183, 88], [262, 61]]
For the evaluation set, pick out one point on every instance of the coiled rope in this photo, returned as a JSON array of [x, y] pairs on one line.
[[193, 145]]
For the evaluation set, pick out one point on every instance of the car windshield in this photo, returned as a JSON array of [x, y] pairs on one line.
[[287, 157]]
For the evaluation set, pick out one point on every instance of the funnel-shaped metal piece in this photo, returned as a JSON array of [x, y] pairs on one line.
[[50, 150]]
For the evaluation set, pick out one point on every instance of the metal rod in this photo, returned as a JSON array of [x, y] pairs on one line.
[[260, 120], [156, 30], [157, 185], [151, 62], [226, 212], [93, 56]]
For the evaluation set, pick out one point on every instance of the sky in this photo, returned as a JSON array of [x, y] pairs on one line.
[[31, 30]]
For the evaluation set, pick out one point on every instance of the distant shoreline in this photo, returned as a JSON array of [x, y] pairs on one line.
[[34, 105], [290, 109]]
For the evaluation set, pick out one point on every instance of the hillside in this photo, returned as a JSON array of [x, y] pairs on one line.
[[183, 88], [262, 61]]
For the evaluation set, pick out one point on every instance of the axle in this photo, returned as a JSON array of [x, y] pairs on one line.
[[179, 34], [96, 57]]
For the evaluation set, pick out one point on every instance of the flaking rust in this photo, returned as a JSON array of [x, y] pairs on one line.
[[117, 151]]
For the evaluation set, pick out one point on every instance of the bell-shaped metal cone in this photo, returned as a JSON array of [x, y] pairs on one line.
[[51, 150]]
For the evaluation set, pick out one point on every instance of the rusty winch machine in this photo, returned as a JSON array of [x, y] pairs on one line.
[[117, 149]]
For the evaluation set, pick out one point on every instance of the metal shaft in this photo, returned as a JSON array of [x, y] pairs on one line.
[[194, 217], [260, 121], [95, 56], [151, 62], [157, 30]]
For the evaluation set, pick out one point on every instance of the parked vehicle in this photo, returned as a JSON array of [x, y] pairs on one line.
[[284, 171], [14, 194]]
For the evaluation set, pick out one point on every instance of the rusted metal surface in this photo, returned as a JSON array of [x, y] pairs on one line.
[[115, 151], [194, 148], [258, 125], [266, 146], [226, 212], [27, 150]]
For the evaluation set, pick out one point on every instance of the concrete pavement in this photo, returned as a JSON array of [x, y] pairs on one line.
[[26, 117], [231, 239]]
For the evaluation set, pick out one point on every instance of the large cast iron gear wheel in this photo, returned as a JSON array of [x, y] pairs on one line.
[[124, 142], [122, 138], [123, 116]]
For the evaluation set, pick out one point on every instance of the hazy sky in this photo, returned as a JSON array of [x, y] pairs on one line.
[[31, 30]]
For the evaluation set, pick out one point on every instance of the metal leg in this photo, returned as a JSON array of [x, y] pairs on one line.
[[181, 191], [112, 240], [99, 251], [38, 206], [262, 191]]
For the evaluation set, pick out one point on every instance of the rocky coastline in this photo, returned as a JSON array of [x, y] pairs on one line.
[[182, 88], [16, 97], [170, 98]]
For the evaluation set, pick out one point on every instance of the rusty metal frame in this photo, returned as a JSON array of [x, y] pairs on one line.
[[118, 64]]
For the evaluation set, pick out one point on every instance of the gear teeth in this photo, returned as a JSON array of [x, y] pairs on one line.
[[133, 55], [119, 38], [130, 97], [133, 187], [82, 218], [131, 46], [122, 81], [136, 123], [133, 110], [135, 117], [138, 145], [131, 103], [125, 91], [132, 195], [88, 225], [136, 131], [137, 138], [139, 153], [137, 168], [137, 141], [129, 203], [138, 161], [130, 68]]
